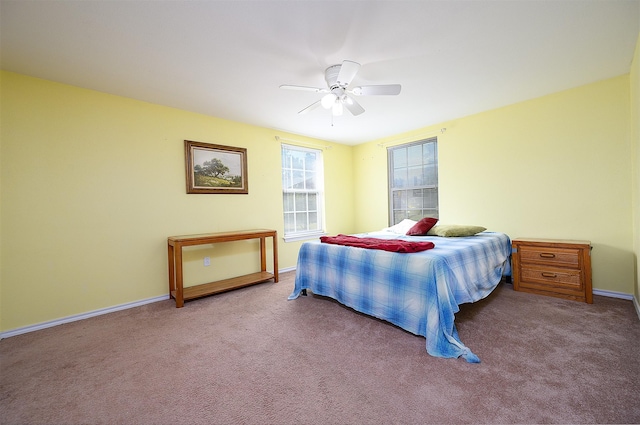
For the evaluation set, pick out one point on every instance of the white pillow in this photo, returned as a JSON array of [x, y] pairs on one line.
[[401, 228]]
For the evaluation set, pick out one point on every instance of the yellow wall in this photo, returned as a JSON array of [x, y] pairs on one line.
[[558, 166], [93, 184], [635, 137]]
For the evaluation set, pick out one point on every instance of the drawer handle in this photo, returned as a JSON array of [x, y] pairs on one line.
[[547, 255], [545, 274]]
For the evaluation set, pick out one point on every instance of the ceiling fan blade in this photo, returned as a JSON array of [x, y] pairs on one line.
[[304, 88], [354, 107], [388, 89], [348, 70], [311, 107]]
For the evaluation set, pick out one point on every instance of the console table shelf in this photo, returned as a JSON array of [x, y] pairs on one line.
[[175, 244]]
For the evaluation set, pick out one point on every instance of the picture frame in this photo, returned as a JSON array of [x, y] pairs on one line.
[[215, 168]]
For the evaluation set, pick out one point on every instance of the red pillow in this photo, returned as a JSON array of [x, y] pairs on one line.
[[422, 227]]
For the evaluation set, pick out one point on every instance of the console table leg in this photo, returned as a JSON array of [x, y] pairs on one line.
[[179, 278], [263, 255], [172, 271], [275, 257]]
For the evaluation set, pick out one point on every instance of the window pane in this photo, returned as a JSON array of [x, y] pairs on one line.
[[430, 198], [429, 153], [414, 154], [297, 159], [310, 180], [398, 216], [312, 202], [400, 178], [297, 180], [287, 202], [301, 201], [430, 175], [415, 176], [310, 162], [313, 221], [400, 199], [415, 214], [301, 221], [415, 199], [289, 223], [399, 158], [428, 212]]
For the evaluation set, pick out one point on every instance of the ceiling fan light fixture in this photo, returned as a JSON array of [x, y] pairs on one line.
[[328, 100]]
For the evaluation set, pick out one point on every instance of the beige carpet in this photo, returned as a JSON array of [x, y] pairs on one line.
[[250, 356]]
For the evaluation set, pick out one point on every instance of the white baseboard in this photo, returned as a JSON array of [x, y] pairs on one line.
[[82, 316], [288, 269], [613, 294]]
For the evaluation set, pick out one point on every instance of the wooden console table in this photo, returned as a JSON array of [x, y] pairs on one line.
[[177, 290]]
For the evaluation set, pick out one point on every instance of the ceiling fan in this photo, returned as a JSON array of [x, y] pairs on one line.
[[338, 95]]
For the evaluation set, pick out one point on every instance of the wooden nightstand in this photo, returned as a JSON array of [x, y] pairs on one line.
[[559, 268]]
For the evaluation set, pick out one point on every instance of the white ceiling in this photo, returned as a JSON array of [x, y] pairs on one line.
[[228, 58]]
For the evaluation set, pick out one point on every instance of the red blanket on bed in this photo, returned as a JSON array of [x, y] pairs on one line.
[[393, 245]]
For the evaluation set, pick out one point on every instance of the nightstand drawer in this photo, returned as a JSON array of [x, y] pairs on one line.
[[549, 276], [553, 256]]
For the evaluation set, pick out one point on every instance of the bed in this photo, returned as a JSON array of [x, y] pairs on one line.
[[419, 292]]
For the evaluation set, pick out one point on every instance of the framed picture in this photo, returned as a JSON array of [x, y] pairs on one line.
[[215, 168]]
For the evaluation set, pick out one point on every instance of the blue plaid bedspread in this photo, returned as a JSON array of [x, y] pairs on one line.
[[420, 292]]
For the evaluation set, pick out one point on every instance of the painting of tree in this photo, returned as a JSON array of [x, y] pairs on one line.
[[215, 168]]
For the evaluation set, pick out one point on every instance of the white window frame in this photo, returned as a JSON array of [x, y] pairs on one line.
[[297, 235], [431, 210]]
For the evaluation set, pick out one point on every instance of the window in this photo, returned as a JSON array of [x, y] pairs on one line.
[[413, 180], [302, 192]]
